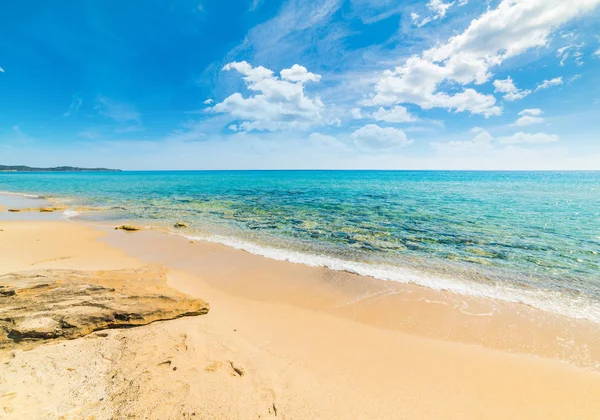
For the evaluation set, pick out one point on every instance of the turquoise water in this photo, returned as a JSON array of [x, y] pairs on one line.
[[532, 237]]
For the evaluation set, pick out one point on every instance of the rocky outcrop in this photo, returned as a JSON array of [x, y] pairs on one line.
[[37, 306]]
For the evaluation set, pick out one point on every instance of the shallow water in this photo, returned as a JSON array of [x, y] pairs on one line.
[[531, 237]]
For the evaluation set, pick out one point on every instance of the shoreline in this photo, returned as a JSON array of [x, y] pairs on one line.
[[408, 307], [310, 342], [453, 280], [537, 299]]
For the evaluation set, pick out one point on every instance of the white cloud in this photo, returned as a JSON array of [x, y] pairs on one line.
[[253, 74], [277, 103], [521, 137], [438, 9], [76, 103], [356, 113], [532, 111], [292, 33], [1, 70], [529, 116], [511, 92], [467, 100], [596, 53], [209, 101], [397, 114], [570, 50], [528, 120], [373, 137], [299, 73], [483, 141], [563, 54], [507, 31], [418, 81], [549, 83]]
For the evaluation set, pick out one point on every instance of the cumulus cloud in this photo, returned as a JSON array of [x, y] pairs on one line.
[[208, 102], [549, 83], [299, 73], [510, 91], [529, 116], [507, 31], [373, 137], [276, 103], [397, 114]]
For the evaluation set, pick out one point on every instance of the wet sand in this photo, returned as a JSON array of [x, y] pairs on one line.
[[290, 341], [408, 308]]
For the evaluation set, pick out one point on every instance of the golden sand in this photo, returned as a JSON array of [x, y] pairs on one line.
[[289, 341]]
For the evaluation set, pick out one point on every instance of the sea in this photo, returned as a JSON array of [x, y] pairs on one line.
[[529, 237]]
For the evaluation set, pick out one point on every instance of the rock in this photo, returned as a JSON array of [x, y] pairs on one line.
[[40, 327], [128, 228], [40, 209], [180, 225], [37, 306]]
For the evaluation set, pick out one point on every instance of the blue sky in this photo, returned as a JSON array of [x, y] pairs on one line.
[[252, 84]]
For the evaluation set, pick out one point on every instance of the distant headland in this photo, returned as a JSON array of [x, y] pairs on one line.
[[21, 168]]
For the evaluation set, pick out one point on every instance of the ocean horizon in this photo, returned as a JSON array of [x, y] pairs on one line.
[[519, 236]]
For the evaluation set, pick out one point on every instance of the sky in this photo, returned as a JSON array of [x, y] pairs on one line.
[[293, 84]]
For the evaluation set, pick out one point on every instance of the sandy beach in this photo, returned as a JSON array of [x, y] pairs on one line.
[[287, 209], [286, 340]]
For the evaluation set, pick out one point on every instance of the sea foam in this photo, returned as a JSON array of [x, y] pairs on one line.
[[549, 301], [20, 194], [69, 213]]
